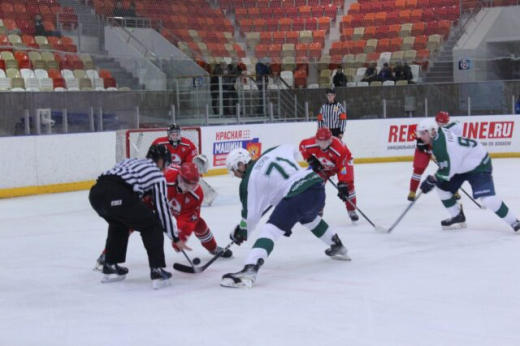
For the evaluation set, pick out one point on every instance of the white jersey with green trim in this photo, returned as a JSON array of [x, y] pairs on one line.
[[457, 155], [275, 175], [455, 127]]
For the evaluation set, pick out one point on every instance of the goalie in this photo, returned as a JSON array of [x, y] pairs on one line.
[[183, 150]]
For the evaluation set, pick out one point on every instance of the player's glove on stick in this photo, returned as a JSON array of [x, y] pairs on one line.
[[343, 191], [315, 164], [239, 235], [428, 184]]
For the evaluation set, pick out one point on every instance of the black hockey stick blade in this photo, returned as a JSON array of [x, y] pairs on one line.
[[194, 269], [404, 213]]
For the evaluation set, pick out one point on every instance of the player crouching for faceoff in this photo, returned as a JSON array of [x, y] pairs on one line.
[[423, 153], [461, 159], [297, 195], [329, 156], [186, 197]]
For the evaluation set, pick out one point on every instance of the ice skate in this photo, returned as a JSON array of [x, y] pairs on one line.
[[244, 278], [227, 254], [337, 250], [353, 215], [160, 278], [411, 196], [457, 222], [100, 262], [516, 226], [113, 273]]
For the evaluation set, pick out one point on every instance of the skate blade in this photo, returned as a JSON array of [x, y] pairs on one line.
[[107, 278], [159, 283], [98, 268], [456, 226], [341, 257], [243, 284]]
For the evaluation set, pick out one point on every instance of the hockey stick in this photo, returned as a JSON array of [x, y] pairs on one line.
[[193, 270], [481, 206], [404, 213], [376, 227]]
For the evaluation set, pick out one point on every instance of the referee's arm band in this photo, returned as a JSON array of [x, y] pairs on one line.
[[343, 116], [320, 117]]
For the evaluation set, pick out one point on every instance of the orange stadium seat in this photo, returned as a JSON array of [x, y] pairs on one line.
[[418, 28], [279, 37], [275, 50], [318, 36], [324, 24], [292, 37], [266, 37], [370, 32]]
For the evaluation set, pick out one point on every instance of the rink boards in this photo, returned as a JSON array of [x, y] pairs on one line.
[[46, 164]]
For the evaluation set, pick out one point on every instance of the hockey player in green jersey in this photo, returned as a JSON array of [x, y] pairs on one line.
[[297, 195], [461, 159]]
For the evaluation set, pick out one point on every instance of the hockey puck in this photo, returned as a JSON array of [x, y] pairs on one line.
[[196, 261]]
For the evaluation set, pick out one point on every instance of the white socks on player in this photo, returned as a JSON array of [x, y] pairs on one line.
[[321, 230], [497, 206], [269, 234], [454, 210]]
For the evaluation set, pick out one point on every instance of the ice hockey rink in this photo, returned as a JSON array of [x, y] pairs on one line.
[[418, 285]]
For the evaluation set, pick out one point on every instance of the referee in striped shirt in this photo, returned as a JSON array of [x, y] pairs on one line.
[[117, 198], [333, 115]]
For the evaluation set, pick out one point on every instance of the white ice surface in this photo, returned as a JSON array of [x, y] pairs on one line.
[[417, 286]]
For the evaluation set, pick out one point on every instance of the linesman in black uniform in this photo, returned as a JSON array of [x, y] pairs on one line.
[[333, 115], [117, 198]]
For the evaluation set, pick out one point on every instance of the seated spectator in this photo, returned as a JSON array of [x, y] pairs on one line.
[[408, 75], [370, 73], [39, 28], [339, 80], [399, 72], [385, 73], [118, 10]]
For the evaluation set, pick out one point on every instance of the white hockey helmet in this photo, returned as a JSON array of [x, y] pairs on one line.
[[235, 157], [427, 125]]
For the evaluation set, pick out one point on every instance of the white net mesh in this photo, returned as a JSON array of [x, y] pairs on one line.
[[138, 141]]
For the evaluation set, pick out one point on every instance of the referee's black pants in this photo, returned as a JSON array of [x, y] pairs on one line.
[[121, 207], [336, 132]]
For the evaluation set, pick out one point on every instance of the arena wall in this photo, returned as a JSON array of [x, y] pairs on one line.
[[44, 164]]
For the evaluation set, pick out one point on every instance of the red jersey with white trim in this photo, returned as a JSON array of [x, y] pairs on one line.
[[184, 206], [336, 159], [184, 152]]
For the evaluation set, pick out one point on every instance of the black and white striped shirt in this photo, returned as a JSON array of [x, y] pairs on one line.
[[333, 116], [144, 176]]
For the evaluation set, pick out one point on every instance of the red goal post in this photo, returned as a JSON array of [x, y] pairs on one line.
[[138, 141]]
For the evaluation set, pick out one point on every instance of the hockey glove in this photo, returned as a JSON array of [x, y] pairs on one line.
[[239, 235], [315, 164], [428, 184], [343, 191]]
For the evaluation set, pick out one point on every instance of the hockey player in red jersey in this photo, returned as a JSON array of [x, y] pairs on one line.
[[422, 157], [182, 149], [185, 196], [329, 156]]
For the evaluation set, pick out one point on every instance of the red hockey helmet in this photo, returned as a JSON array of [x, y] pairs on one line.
[[442, 118], [324, 137], [189, 176]]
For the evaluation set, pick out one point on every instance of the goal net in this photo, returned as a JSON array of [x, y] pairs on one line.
[[138, 141]]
